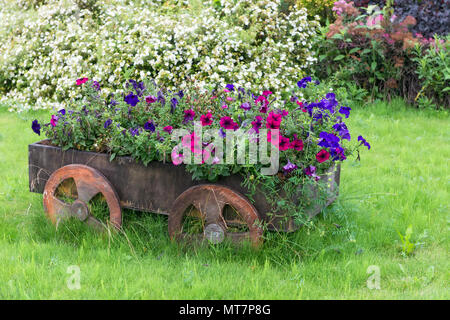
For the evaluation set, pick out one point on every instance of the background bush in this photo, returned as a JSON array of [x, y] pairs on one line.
[[377, 51], [432, 16], [251, 43]]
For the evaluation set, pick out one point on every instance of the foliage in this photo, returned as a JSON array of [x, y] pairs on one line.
[[322, 8], [432, 16], [252, 43], [376, 50], [407, 246], [433, 69]]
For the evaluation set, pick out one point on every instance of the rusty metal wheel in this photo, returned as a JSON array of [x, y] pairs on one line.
[[88, 182], [210, 200]]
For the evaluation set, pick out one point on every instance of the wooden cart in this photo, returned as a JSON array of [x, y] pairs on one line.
[[158, 187]]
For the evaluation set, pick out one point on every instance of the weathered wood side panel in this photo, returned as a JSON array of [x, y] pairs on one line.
[[151, 188]]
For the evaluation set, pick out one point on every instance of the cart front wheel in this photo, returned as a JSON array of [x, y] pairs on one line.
[[210, 200], [88, 182]]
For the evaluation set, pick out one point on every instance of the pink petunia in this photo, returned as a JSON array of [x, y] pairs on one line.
[[81, 81], [54, 121]]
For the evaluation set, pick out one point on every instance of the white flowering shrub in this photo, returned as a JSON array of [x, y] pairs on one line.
[[46, 46]]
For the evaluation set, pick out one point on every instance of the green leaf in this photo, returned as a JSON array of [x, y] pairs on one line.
[[373, 66], [339, 57]]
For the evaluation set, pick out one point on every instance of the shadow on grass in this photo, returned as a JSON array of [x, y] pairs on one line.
[[145, 235]]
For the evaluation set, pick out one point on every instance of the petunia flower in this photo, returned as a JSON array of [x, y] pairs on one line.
[[303, 83], [36, 127], [54, 120], [228, 123], [81, 81], [364, 142], [107, 123], [131, 99], [257, 124], [206, 119], [246, 106], [189, 115], [173, 104], [161, 98], [96, 85], [62, 112], [345, 111], [284, 143], [322, 156], [149, 126], [230, 87], [273, 121], [289, 167], [296, 144], [150, 99], [267, 93], [168, 129]]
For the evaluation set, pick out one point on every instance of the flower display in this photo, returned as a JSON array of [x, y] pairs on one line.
[[310, 135]]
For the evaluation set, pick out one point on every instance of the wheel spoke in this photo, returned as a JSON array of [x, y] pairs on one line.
[[93, 222], [62, 210], [86, 191]]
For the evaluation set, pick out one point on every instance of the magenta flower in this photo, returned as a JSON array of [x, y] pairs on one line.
[[296, 144], [257, 124], [267, 93], [168, 129], [150, 99], [54, 120], [322, 156], [81, 81], [206, 119], [189, 115], [228, 123], [273, 121], [284, 143]]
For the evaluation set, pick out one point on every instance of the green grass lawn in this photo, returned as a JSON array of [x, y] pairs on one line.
[[402, 181]]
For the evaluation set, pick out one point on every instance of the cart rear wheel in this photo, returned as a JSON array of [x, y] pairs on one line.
[[88, 182], [210, 200]]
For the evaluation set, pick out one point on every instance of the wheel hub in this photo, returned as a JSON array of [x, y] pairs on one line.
[[214, 233], [80, 210]]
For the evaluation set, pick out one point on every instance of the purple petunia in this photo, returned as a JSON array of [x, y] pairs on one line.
[[189, 115], [36, 127], [342, 130], [107, 123], [131, 99], [230, 87], [257, 124], [62, 112], [328, 140], [345, 111], [303, 83], [161, 98], [96, 85], [149, 126], [173, 104], [364, 142], [289, 167], [246, 106]]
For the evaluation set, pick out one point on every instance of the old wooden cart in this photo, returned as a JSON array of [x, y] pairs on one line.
[[159, 187]]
